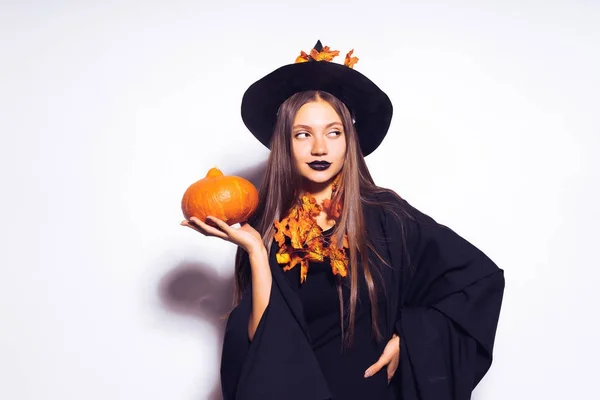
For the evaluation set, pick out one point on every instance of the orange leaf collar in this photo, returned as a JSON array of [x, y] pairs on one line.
[[301, 239]]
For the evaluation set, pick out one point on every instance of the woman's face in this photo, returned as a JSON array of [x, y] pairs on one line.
[[318, 142]]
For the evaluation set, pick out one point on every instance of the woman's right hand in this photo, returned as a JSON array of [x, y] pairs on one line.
[[250, 240], [245, 236]]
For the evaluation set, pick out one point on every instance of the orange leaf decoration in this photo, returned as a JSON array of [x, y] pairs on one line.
[[303, 270], [339, 262], [301, 240], [313, 233], [324, 55], [283, 258], [303, 57], [350, 61], [334, 210], [279, 237]]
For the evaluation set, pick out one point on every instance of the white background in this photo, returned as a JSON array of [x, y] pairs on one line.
[[109, 111]]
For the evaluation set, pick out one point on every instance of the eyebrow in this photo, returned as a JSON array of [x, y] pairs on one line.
[[329, 125]]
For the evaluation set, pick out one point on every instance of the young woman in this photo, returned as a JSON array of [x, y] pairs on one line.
[[343, 289]]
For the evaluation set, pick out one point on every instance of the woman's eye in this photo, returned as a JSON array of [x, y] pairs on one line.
[[301, 135], [335, 133]]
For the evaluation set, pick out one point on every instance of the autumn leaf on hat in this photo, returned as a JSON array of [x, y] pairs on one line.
[[349, 61], [324, 55], [303, 57]]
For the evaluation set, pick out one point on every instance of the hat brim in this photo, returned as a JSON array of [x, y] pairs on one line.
[[370, 106]]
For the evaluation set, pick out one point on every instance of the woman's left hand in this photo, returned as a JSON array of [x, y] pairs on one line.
[[389, 357]]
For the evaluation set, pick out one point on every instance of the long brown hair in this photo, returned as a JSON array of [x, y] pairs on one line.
[[277, 196]]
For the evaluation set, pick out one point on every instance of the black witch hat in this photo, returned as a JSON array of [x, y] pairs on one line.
[[370, 107]]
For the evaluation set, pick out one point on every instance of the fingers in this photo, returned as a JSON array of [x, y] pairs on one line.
[[212, 227], [392, 365], [204, 228], [222, 225], [373, 369], [391, 368], [190, 225], [390, 357]]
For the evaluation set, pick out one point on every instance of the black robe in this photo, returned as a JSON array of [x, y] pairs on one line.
[[443, 300]]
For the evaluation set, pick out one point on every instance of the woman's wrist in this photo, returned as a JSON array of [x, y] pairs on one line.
[[257, 251]]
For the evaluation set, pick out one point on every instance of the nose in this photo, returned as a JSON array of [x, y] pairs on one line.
[[319, 147]]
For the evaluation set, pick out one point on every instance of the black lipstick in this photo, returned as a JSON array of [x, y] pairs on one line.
[[319, 165]]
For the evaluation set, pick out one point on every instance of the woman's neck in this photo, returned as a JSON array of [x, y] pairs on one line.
[[320, 191]]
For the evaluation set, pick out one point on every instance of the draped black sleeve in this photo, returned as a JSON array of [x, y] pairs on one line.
[[279, 362], [448, 305]]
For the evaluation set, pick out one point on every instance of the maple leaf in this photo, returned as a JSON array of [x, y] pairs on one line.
[[303, 270], [324, 55], [303, 57], [314, 232], [338, 261], [282, 258], [315, 251], [294, 234], [339, 267], [310, 206], [306, 227], [349, 61], [280, 232], [315, 256], [296, 259], [334, 211]]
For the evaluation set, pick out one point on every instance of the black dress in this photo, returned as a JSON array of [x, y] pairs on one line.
[[442, 296], [343, 368]]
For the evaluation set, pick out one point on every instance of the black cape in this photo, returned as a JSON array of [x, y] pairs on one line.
[[443, 299]]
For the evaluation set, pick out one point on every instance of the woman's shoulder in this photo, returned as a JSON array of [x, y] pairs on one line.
[[394, 208], [398, 218], [422, 233]]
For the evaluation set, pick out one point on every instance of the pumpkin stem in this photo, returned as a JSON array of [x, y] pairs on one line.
[[214, 173]]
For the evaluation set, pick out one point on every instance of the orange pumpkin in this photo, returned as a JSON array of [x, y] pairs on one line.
[[229, 198]]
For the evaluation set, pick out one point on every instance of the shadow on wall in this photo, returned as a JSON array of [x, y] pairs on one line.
[[195, 288]]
